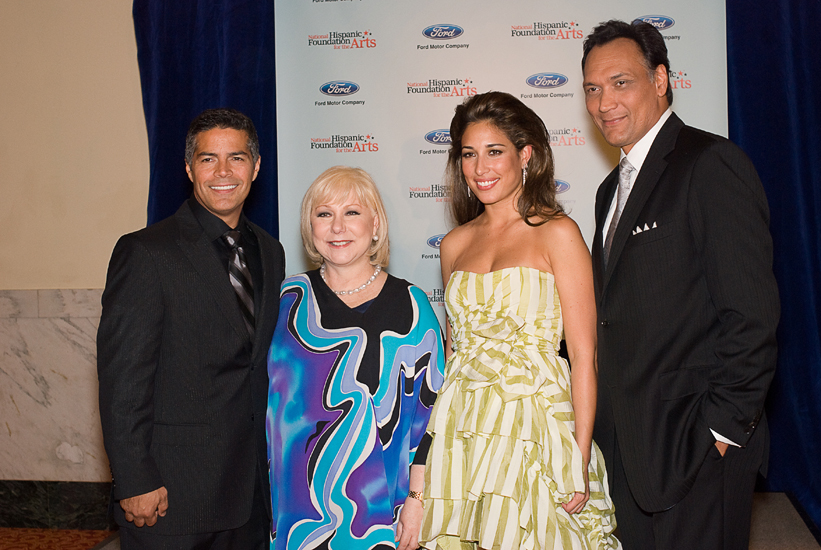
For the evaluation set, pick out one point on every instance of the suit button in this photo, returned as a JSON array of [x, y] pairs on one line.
[[252, 368], [605, 323], [252, 418]]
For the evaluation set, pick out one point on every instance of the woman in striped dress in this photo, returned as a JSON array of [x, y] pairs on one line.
[[512, 463]]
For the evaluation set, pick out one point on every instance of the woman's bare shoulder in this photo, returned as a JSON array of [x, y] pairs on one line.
[[454, 244], [560, 239], [457, 237], [561, 227]]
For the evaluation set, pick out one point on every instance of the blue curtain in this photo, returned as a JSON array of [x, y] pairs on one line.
[[200, 54], [207, 53], [775, 116]]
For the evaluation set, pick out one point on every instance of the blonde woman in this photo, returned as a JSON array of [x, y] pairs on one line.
[[355, 363]]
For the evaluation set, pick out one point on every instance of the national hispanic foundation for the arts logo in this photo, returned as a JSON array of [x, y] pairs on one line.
[[435, 191], [679, 80], [437, 297], [343, 40], [353, 143], [566, 137], [454, 87], [548, 30]]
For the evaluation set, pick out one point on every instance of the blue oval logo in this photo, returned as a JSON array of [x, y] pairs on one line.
[[561, 186], [435, 241], [546, 80], [339, 87], [661, 22], [443, 32], [438, 137]]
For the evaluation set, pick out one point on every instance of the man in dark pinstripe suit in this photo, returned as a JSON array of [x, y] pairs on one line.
[[183, 378], [687, 306]]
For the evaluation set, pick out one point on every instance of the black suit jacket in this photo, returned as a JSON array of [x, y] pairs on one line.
[[687, 308], [183, 391]]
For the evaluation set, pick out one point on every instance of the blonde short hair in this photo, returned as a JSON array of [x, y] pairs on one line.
[[334, 185]]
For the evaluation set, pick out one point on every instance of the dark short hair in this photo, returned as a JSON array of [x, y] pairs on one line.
[[646, 36], [522, 127], [221, 118]]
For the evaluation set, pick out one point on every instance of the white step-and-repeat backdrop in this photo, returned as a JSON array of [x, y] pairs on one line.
[[373, 84]]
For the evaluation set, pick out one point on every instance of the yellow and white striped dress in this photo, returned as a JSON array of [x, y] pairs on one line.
[[504, 457]]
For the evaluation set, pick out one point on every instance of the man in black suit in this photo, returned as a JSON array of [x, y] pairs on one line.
[[182, 357], [687, 307]]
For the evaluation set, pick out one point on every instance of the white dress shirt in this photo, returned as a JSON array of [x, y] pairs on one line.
[[636, 157]]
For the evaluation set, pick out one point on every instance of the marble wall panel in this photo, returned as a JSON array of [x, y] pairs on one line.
[[74, 505], [69, 303], [49, 417], [24, 505], [18, 303]]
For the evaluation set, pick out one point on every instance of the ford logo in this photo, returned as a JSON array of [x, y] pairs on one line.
[[443, 32], [438, 137], [661, 22], [434, 241], [339, 87], [546, 80], [561, 186]]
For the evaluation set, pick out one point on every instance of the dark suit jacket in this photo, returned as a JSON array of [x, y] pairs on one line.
[[687, 312], [183, 391]]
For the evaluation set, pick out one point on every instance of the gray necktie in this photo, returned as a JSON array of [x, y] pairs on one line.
[[241, 278], [625, 169]]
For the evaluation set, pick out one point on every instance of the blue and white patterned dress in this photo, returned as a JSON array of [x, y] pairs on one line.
[[349, 400]]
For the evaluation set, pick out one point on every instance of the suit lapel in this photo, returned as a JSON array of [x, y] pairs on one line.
[[603, 199], [649, 175], [266, 303], [200, 252]]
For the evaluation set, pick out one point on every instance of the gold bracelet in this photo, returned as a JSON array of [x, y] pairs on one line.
[[417, 495]]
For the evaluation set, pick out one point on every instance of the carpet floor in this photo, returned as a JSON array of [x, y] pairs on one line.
[[776, 525], [53, 539]]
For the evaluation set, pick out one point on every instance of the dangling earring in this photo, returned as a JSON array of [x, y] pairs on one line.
[[524, 175], [468, 186]]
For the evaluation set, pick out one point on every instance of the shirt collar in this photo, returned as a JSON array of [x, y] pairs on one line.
[[639, 151], [213, 226]]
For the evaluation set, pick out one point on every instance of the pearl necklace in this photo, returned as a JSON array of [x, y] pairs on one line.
[[354, 291]]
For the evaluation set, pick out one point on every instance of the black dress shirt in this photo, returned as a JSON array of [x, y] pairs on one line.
[[215, 228]]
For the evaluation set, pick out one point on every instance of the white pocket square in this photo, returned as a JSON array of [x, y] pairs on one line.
[[640, 229]]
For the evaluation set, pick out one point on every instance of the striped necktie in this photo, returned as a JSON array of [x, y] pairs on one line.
[[625, 169], [241, 278]]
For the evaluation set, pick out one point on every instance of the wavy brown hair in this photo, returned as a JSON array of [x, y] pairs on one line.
[[522, 127]]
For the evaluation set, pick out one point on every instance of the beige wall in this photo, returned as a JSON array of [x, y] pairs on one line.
[[73, 145]]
